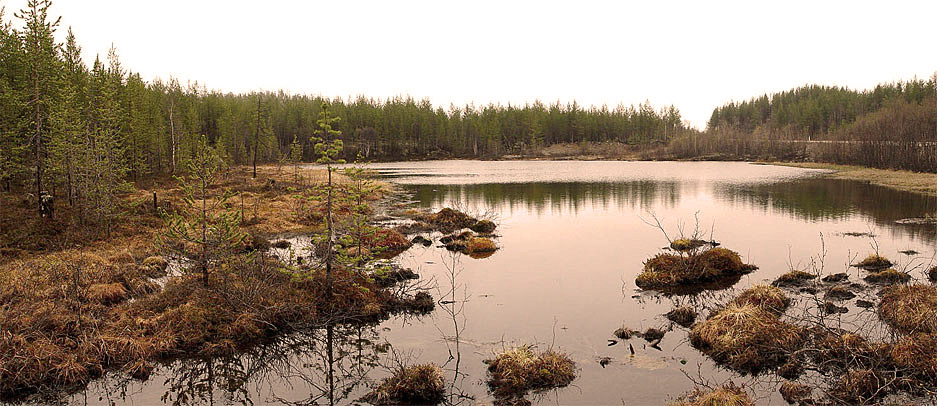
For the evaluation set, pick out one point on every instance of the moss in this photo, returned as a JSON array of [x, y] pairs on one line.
[[765, 297], [668, 270], [794, 392], [519, 370], [887, 277], [727, 395], [910, 308], [683, 315], [793, 278], [483, 226], [873, 262], [418, 384], [746, 338]]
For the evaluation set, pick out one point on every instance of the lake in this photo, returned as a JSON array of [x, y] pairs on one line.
[[572, 235]]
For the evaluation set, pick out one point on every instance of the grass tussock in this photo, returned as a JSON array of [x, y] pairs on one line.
[[448, 220], [874, 262], [746, 338], [765, 297], [726, 395], [386, 243], [836, 351], [107, 293], [414, 385], [687, 244], [793, 278], [887, 277], [910, 308], [683, 315], [917, 352], [480, 245], [483, 227], [668, 270], [519, 370], [839, 292], [625, 333]]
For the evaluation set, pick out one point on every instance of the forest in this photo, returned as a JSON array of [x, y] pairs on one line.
[[63, 121], [893, 126]]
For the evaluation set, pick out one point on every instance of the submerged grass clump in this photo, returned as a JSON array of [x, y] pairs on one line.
[[746, 338], [873, 261], [683, 315], [414, 385], [910, 308], [794, 392], [669, 270], [519, 370], [726, 395]]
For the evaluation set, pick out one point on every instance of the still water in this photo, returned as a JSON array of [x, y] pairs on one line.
[[572, 237]]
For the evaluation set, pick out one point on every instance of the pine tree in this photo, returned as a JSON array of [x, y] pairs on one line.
[[43, 70], [328, 146]]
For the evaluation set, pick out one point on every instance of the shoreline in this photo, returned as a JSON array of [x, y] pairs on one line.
[[907, 181]]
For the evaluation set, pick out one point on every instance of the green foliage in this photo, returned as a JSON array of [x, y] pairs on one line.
[[208, 228]]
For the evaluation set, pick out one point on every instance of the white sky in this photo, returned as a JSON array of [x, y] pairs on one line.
[[693, 54]]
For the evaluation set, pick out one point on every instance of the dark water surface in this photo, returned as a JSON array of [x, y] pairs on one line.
[[573, 236]]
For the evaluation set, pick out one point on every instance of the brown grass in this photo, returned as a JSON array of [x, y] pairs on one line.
[[794, 392], [107, 293], [793, 278], [448, 220], [726, 395], [925, 183], [746, 338], [414, 385], [669, 270], [887, 277], [518, 370], [910, 308], [683, 315], [765, 297], [874, 262], [857, 386], [918, 352], [479, 245]]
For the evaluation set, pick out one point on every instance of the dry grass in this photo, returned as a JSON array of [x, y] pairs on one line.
[[918, 352], [925, 183], [67, 319], [726, 395], [414, 385], [683, 315], [794, 392], [874, 262], [910, 308], [746, 338], [518, 370], [669, 270], [888, 277], [857, 386], [448, 220], [793, 278], [765, 297]]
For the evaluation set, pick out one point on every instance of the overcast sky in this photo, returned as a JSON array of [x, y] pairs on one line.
[[695, 54]]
